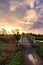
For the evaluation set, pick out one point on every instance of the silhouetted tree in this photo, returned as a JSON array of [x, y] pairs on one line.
[[3, 31]]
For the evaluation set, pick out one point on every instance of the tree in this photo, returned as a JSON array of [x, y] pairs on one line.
[[17, 35], [3, 31]]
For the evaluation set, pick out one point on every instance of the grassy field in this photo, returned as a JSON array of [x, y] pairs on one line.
[[16, 59], [6, 51], [8, 48], [40, 44], [40, 51]]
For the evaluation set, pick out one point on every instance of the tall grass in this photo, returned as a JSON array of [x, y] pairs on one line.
[[40, 50], [16, 59]]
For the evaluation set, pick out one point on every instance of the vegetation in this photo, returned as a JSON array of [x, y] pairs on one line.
[[16, 59], [8, 44], [40, 50], [37, 36], [1, 42], [6, 51], [5, 56], [40, 44]]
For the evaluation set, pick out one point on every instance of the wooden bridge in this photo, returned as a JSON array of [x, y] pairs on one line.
[[29, 53]]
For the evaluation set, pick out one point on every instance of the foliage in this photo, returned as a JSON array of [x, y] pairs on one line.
[[16, 59], [7, 38], [1, 42], [17, 37], [38, 37], [6, 51], [40, 44], [40, 50]]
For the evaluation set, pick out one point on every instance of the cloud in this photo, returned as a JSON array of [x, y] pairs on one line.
[[18, 3], [23, 7], [31, 3], [37, 25], [30, 15], [14, 4], [27, 14]]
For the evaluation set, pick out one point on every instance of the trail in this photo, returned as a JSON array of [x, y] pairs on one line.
[[30, 55]]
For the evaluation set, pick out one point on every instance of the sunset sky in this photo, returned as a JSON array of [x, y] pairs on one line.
[[26, 15]]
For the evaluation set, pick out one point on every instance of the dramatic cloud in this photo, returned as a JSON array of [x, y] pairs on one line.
[[31, 15], [37, 25], [27, 14]]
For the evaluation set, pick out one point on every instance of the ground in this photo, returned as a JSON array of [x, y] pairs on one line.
[[6, 51], [40, 51], [10, 54]]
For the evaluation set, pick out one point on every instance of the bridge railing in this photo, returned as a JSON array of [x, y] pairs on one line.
[[31, 39]]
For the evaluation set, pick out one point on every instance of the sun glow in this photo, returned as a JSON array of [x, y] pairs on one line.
[[12, 30], [9, 30], [20, 30]]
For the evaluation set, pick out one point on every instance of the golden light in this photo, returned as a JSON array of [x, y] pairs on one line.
[[9, 30], [20, 30], [12, 30]]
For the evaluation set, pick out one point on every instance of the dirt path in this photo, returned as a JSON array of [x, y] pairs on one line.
[[30, 55]]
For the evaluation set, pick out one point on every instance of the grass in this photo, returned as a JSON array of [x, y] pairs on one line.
[[40, 50], [1, 42], [40, 44], [6, 51], [16, 59], [2, 56]]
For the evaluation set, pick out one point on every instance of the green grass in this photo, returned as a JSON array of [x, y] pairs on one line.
[[1, 42], [40, 51], [2, 56], [40, 44], [6, 50], [16, 59]]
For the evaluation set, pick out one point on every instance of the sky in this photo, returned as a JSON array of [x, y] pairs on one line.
[[26, 15]]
